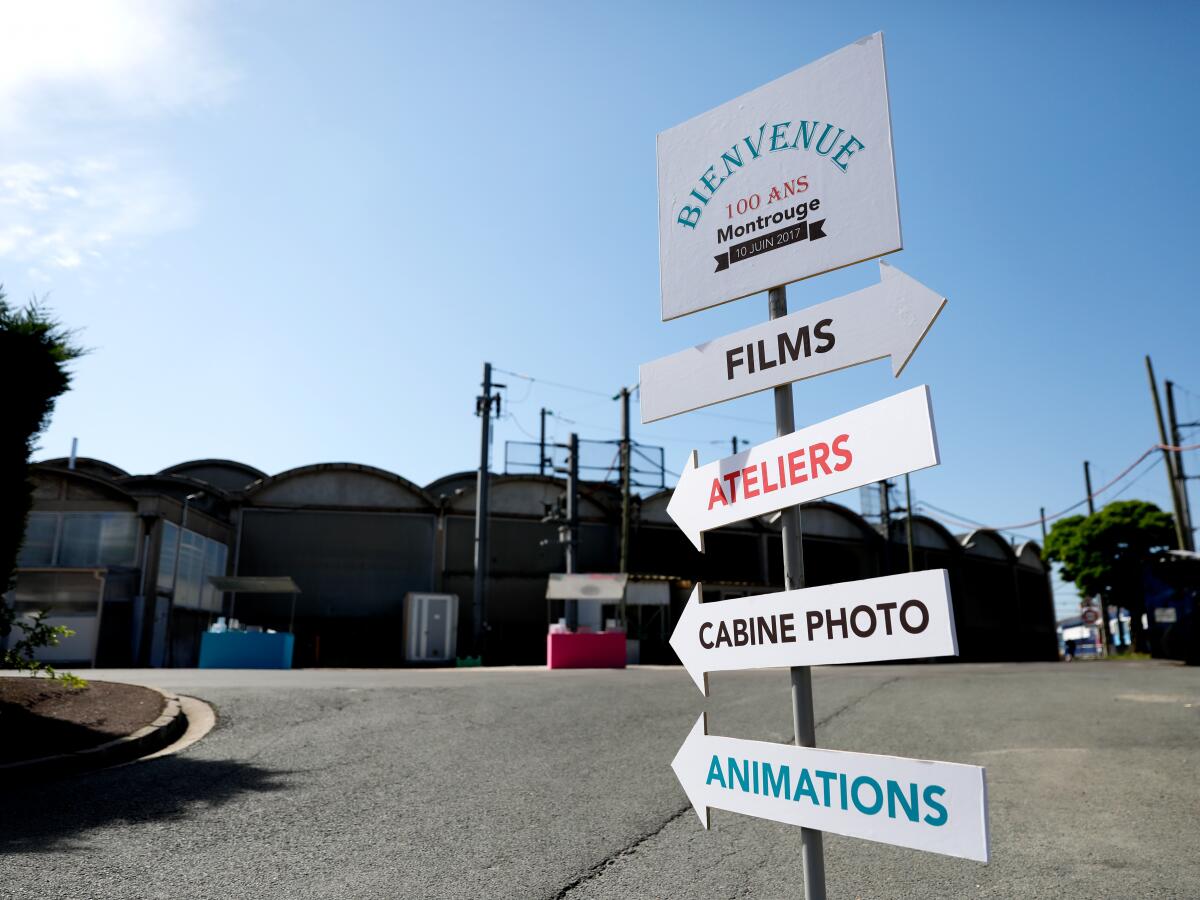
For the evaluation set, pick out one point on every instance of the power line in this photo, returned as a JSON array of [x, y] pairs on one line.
[[557, 384]]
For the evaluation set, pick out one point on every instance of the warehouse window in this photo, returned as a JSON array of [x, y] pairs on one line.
[[80, 540], [199, 557]]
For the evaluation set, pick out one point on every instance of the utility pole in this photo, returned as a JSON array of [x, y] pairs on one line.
[[483, 409], [1180, 477], [542, 443], [626, 465], [1105, 637], [1042, 515], [812, 847], [908, 503], [885, 515], [572, 606], [1167, 454]]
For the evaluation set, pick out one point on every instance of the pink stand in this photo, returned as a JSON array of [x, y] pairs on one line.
[[587, 650]]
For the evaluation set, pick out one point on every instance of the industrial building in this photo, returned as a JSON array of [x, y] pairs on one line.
[[104, 553]]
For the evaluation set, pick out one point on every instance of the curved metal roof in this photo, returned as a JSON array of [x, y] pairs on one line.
[[258, 487]]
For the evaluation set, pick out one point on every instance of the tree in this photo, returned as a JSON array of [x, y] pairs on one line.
[[1105, 554], [34, 352]]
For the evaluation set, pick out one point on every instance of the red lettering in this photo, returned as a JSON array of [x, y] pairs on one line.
[[782, 473], [796, 467], [732, 479], [749, 480], [766, 484], [717, 494], [817, 454], [846, 455]]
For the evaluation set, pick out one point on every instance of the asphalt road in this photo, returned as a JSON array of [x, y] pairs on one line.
[[530, 784]]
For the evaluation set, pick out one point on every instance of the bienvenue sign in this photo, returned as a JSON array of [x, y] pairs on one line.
[[788, 181]]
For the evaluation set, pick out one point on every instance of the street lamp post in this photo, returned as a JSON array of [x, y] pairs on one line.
[[175, 572]]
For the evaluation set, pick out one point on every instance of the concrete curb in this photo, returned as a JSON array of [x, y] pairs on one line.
[[160, 733]]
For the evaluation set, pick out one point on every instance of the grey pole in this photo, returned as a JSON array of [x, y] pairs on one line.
[[1180, 475], [482, 485], [169, 655], [1167, 457], [542, 444], [812, 847], [908, 503], [1042, 512], [572, 606], [1105, 638], [626, 462]]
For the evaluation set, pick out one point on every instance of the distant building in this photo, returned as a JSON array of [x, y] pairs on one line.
[[100, 554]]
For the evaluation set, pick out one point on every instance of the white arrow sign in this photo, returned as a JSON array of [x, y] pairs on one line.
[[874, 442], [886, 319], [935, 806], [905, 616]]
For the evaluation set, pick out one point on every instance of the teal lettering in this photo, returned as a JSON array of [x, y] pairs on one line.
[[805, 133], [821, 139], [754, 149], [736, 159], [773, 785], [778, 132], [742, 775], [908, 804], [690, 215], [714, 772], [805, 787], [942, 816], [871, 808], [847, 151], [705, 180], [827, 777]]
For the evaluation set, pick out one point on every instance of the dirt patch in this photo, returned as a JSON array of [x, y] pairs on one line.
[[40, 717]]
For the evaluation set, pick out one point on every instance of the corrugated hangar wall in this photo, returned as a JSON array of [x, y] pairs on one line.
[[357, 538]]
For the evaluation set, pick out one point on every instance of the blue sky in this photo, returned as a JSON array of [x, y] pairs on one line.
[[292, 233]]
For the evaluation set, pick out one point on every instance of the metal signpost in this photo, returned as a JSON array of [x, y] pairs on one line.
[[935, 806], [874, 442], [792, 180], [895, 617], [886, 319]]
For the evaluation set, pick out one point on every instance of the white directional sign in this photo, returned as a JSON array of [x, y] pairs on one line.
[[905, 616], [874, 442], [790, 180], [886, 319], [935, 806]]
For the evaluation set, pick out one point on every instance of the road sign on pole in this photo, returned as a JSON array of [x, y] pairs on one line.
[[790, 180], [886, 319], [895, 617], [935, 806], [874, 442]]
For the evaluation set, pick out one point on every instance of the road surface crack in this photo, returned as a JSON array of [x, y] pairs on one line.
[[600, 868]]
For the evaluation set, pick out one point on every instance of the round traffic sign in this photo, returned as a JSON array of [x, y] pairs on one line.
[[1090, 616]]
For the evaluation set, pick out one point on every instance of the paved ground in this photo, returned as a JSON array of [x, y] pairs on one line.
[[528, 784]]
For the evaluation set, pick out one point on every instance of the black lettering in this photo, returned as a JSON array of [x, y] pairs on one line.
[[814, 621], [740, 638], [821, 334], [762, 357], [788, 349], [785, 629], [766, 627], [733, 360], [707, 645], [886, 609], [924, 616], [865, 632], [830, 622]]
